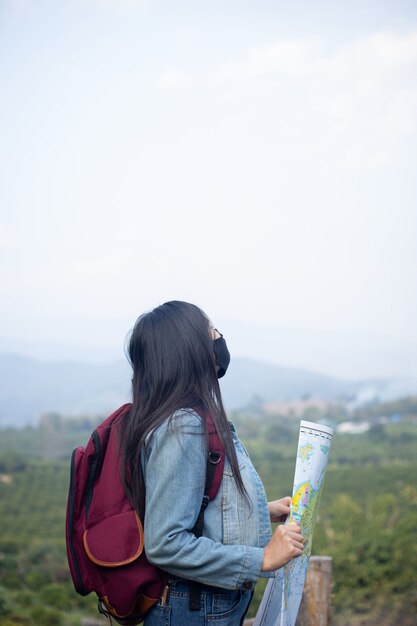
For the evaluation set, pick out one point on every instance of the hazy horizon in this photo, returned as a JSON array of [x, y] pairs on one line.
[[296, 352]]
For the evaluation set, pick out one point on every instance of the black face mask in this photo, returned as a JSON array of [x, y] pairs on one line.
[[222, 355]]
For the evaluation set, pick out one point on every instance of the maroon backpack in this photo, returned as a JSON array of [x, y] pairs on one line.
[[104, 534]]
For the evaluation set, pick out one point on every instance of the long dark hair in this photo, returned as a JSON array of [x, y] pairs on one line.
[[171, 353]]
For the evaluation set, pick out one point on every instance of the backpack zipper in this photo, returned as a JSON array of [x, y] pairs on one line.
[[92, 474], [79, 585]]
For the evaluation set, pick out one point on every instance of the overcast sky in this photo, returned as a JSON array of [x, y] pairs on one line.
[[255, 158]]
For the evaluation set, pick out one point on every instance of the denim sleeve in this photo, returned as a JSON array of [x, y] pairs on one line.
[[175, 471]]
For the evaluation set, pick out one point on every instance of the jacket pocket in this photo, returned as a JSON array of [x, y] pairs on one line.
[[239, 523]]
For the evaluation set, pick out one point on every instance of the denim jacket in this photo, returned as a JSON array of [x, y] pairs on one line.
[[230, 552]]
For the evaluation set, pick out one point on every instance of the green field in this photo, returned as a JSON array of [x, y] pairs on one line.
[[367, 523]]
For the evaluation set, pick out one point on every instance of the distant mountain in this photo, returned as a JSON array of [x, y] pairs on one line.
[[30, 387], [249, 378]]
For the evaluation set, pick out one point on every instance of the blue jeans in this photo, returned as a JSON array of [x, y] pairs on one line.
[[219, 607]]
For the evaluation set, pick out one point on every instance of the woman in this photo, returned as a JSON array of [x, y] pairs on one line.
[[177, 358]]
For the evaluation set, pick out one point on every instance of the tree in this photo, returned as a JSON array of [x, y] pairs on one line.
[[11, 461]]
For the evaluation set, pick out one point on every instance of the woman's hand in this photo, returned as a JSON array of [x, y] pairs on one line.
[[279, 509], [286, 543]]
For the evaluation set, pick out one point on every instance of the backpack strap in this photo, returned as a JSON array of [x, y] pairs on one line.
[[214, 475], [213, 459]]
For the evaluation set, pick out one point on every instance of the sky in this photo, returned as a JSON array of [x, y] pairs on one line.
[[255, 158]]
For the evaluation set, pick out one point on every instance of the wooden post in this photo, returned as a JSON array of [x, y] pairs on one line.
[[315, 608]]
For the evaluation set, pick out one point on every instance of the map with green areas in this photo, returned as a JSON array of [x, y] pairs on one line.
[[282, 597]]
